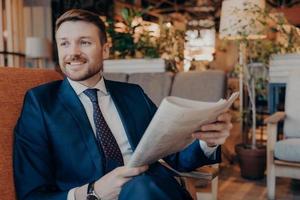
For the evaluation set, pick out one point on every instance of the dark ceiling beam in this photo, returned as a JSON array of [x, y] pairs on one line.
[[170, 2], [127, 5], [159, 3], [283, 3], [156, 4]]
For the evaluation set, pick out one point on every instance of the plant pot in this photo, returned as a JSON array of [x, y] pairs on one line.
[[252, 161]]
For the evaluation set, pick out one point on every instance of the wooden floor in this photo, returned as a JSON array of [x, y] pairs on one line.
[[233, 187]]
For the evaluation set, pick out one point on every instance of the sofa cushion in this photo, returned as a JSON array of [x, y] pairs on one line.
[[155, 85], [122, 77], [292, 106], [14, 82], [202, 86], [288, 150]]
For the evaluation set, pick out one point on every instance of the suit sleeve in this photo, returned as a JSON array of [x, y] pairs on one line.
[[33, 162], [192, 156]]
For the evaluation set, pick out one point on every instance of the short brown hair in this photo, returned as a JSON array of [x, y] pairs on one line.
[[86, 16]]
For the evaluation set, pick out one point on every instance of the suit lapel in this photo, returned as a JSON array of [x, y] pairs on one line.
[[121, 104], [71, 101]]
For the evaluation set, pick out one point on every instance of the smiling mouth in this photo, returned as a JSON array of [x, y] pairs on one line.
[[75, 63]]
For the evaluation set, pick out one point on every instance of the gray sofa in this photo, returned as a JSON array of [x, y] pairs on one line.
[[208, 85]]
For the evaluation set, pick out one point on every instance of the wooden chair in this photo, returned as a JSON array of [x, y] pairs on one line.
[[283, 156]]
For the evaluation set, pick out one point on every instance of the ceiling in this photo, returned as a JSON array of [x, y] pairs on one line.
[[175, 10], [211, 9], [193, 9]]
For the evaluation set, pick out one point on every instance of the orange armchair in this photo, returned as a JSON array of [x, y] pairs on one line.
[[14, 82]]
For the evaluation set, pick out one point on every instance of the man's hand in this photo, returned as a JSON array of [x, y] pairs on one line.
[[110, 185], [215, 133]]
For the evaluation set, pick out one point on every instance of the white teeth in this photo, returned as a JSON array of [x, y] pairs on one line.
[[75, 63]]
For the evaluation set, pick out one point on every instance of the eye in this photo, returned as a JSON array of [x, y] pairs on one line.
[[85, 43], [64, 44]]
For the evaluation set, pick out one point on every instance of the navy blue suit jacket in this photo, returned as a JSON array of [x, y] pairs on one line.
[[55, 148]]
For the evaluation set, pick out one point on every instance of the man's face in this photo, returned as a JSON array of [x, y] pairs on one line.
[[80, 51]]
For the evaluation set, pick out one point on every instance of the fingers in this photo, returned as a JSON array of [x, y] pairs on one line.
[[210, 135], [127, 172], [223, 123], [216, 127], [224, 117], [121, 181], [212, 138], [215, 133], [109, 186], [214, 142]]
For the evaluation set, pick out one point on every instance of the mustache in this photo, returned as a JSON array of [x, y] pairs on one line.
[[75, 58]]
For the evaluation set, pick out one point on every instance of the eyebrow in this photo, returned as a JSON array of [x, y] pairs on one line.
[[83, 37]]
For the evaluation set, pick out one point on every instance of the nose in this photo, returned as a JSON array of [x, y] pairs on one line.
[[74, 49]]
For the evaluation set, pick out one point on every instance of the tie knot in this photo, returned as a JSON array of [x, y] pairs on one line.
[[92, 94]]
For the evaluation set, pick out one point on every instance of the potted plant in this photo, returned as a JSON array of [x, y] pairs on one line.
[[252, 154]]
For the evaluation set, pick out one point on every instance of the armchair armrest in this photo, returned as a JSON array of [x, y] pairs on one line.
[[275, 118], [204, 172], [272, 122], [199, 177]]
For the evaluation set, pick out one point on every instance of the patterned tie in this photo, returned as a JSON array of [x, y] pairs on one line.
[[104, 136]]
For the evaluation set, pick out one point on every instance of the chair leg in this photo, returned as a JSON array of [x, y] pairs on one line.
[[190, 185], [271, 181], [214, 188], [271, 187]]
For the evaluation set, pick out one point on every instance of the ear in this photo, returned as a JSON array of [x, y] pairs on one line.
[[105, 50]]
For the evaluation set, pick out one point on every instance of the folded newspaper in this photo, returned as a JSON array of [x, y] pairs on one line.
[[171, 128]]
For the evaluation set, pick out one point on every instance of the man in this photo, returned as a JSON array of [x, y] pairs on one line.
[[74, 136]]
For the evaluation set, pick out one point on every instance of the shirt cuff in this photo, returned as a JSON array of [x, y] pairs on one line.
[[71, 194], [208, 151]]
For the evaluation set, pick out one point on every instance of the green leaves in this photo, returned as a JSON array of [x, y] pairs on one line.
[[125, 14], [129, 14], [131, 39]]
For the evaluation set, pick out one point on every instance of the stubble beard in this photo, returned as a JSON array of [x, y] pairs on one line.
[[85, 74]]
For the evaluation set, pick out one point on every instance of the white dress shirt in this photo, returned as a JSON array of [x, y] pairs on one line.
[[113, 121]]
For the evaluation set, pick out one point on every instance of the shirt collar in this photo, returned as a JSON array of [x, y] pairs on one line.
[[80, 88]]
